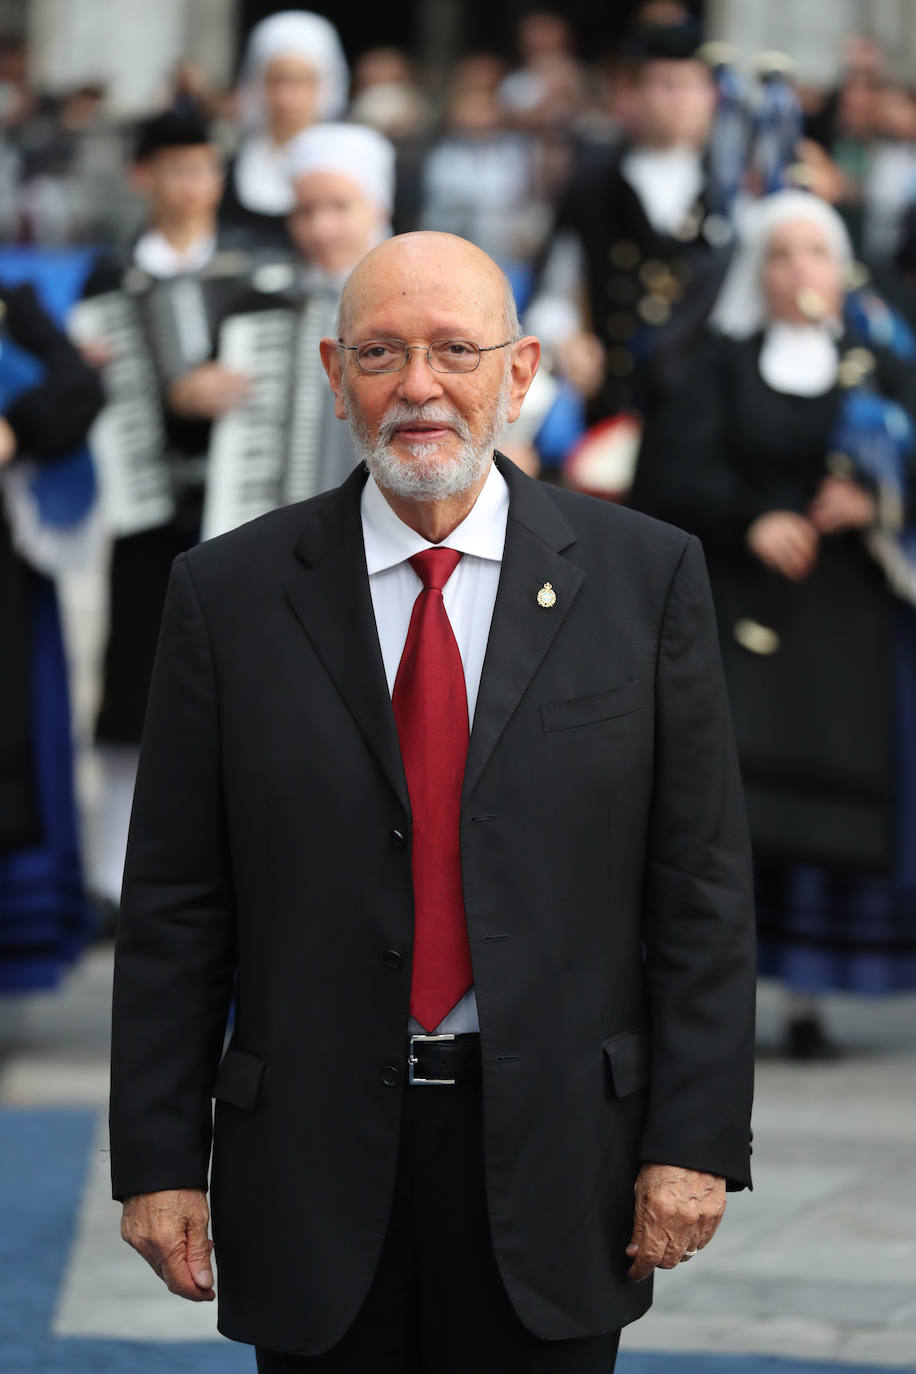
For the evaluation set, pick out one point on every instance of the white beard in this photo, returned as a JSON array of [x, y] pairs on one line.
[[429, 476]]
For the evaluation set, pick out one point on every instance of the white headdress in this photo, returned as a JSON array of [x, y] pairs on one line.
[[352, 150], [293, 33], [740, 309]]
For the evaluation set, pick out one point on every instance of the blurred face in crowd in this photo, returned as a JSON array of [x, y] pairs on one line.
[[802, 279], [81, 107], [334, 223], [381, 67], [291, 92], [862, 54], [662, 12], [478, 71], [542, 34], [425, 434], [182, 183], [475, 113], [673, 103]]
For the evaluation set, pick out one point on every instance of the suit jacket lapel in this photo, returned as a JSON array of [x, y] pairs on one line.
[[330, 596], [522, 630], [329, 593]]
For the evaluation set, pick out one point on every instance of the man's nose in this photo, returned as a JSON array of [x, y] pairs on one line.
[[417, 381]]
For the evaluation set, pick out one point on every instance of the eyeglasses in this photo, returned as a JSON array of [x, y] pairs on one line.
[[392, 355]]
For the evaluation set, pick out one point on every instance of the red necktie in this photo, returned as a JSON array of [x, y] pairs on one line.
[[431, 712]]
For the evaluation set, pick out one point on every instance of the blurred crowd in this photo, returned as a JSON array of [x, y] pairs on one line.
[[502, 129], [720, 265]]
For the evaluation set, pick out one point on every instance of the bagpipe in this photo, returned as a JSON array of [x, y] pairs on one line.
[[754, 146], [874, 438], [756, 129], [752, 151]]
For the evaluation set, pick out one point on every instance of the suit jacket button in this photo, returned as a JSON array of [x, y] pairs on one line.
[[393, 959], [399, 839], [391, 1076]]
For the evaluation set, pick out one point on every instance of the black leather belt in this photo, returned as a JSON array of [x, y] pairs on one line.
[[443, 1060]]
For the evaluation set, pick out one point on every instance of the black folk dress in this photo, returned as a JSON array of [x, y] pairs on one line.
[[44, 920], [822, 674]]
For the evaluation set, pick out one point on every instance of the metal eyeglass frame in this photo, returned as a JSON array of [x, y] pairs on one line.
[[427, 348]]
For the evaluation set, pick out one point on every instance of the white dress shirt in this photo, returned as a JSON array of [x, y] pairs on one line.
[[469, 597], [667, 182]]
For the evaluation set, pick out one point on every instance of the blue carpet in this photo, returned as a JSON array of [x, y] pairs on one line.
[[125, 1357], [43, 1160], [136, 1357]]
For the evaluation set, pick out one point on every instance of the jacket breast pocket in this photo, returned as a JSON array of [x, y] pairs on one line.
[[238, 1079], [628, 1056], [617, 701]]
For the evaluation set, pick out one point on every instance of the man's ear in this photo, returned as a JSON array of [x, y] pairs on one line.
[[526, 354], [331, 362]]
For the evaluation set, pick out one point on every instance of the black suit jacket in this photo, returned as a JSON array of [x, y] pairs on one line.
[[606, 883]]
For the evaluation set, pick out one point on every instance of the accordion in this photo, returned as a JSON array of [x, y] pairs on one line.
[[262, 455], [274, 449]]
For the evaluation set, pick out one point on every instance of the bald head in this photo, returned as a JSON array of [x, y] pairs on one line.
[[426, 265]]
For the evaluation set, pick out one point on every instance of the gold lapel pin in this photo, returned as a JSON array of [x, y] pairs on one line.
[[547, 596]]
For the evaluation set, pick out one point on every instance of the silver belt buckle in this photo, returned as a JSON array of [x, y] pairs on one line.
[[412, 1060]]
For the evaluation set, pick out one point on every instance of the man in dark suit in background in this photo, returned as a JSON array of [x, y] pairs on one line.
[[438, 780], [639, 238]]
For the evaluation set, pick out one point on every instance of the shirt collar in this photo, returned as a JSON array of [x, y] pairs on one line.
[[159, 258], [482, 532], [313, 279]]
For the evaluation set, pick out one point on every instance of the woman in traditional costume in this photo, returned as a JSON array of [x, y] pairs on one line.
[[48, 399], [795, 466], [294, 75]]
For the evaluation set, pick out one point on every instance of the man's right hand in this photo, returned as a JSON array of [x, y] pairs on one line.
[[785, 542], [98, 353], [208, 391], [169, 1229]]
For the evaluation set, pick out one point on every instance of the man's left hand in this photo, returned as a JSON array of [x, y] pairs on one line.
[[677, 1213], [841, 504], [169, 1229]]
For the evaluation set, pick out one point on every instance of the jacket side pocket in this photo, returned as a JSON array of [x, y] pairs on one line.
[[629, 1057], [238, 1079]]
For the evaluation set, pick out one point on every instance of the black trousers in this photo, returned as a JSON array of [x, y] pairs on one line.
[[138, 578], [437, 1304]]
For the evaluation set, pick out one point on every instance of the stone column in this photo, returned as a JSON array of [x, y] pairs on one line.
[[813, 34], [129, 45]]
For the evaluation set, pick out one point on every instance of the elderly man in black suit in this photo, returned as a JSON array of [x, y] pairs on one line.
[[438, 782]]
